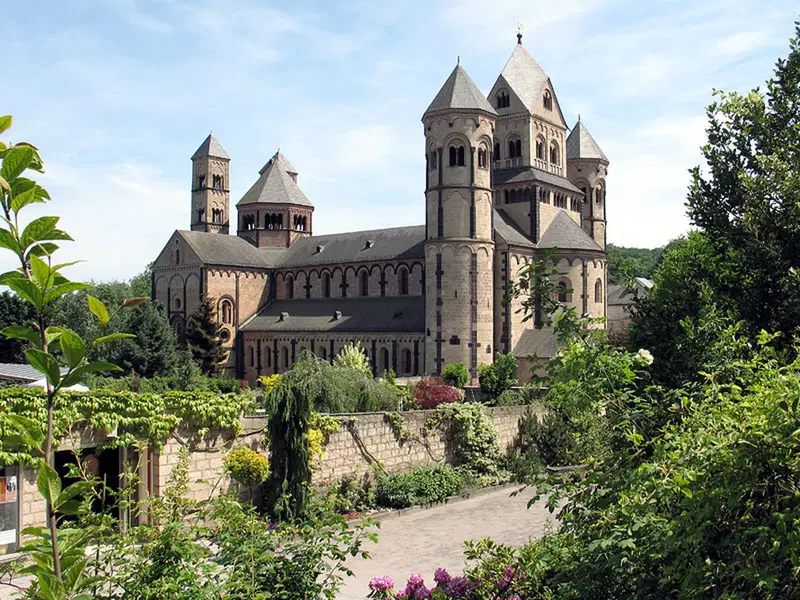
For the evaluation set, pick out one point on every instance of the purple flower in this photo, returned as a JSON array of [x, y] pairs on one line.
[[381, 584], [415, 581], [506, 579], [441, 576], [458, 586]]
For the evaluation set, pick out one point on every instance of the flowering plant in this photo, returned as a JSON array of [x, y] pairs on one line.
[[446, 587]]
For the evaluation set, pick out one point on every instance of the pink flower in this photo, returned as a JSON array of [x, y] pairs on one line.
[[415, 581], [441, 576], [381, 584]]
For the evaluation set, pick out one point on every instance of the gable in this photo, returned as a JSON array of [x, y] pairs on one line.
[[516, 105], [167, 257]]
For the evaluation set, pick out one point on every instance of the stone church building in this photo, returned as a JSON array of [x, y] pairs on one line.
[[504, 182]]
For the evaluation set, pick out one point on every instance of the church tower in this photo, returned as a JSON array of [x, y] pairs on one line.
[[587, 168], [211, 197], [459, 248]]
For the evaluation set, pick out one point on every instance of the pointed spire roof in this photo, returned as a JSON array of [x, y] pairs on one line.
[[276, 185], [211, 147], [459, 92], [525, 77], [581, 144]]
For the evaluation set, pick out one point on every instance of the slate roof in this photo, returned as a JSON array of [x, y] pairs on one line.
[[624, 295], [220, 249], [581, 144], [541, 343], [505, 228], [523, 174], [275, 185], [386, 244], [565, 233], [211, 147], [525, 77], [460, 92], [378, 315], [23, 373]]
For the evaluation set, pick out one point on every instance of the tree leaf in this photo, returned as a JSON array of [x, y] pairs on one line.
[[40, 271], [16, 160], [99, 310], [8, 241], [43, 249], [73, 347], [5, 122], [133, 302], [49, 483], [26, 289], [21, 200], [78, 488], [20, 332], [78, 374], [4, 185], [65, 288], [110, 338], [44, 363], [42, 229]]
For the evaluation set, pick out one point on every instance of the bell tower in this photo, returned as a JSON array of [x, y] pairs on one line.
[[587, 169], [459, 248], [211, 198]]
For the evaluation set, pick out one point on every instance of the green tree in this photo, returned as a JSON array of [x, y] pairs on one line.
[[153, 352], [142, 284], [13, 311], [202, 338], [498, 377], [455, 374], [626, 263], [353, 356]]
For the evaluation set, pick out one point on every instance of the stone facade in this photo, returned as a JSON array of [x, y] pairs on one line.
[[505, 182]]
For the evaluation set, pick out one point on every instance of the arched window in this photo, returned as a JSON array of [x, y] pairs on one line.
[[326, 285], [402, 284], [225, 336], [285, 352], [226, 308], [503, 100], [216, 215], [554, 158], [453, 156], [252, 356], [217, 182], [385, 366], [547, 100], [267, 357], [540, 148], [201, 181], [177, 303], [323, 353], [405, 360], [497, 150], [177, 327], [461, 160], [482, 160], [289, 286], [177, 257], [599, 195], [564, 291], [364, 283], [433, 159], [598, 291]]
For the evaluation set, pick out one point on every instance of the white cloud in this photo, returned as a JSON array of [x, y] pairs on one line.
[[739, 43]]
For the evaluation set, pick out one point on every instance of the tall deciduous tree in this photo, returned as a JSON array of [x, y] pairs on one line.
[[13, 311], [202, 337]]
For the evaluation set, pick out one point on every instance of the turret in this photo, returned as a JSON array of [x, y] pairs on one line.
[[211, 197], [459, 251], [587, 168]]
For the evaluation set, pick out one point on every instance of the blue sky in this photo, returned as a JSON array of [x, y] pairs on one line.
[[119, 93]]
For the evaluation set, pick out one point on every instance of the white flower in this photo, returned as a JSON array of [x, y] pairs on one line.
[[644, 356], [602, 411]]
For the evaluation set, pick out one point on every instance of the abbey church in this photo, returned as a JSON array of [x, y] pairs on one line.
[[506, 180]]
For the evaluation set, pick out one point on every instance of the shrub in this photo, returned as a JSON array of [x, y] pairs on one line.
[[430, 392], [456, 375], [246, 466], [353, 493], [474, 436], [498, 377], [422, 486], [354, 357], [510, 398]]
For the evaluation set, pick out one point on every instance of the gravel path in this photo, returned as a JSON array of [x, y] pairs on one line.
[[421, 541]]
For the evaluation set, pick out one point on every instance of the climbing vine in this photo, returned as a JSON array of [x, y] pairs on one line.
[[320, 428], [132, 416], [473, 435]]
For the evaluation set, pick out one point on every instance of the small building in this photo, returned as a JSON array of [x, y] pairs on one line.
[[620, 301]]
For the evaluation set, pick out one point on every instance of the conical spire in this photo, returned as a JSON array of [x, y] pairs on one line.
[[211, 147], [581, 144], [277, 184], [459, 92], [525, 77]]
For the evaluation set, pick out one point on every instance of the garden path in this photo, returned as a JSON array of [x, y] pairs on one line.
[[420, 541]]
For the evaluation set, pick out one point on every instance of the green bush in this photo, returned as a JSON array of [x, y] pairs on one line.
[[199, 383], [423, 486], [455, 374], [474, 437], [353, 493], [510, 398], [498, 377], [246, 466]]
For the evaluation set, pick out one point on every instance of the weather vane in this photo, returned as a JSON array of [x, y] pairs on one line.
[[520, 29]]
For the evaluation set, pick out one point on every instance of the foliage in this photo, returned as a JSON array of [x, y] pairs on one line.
[[497, 377], [289, 407], [474, 437], [455, 374], [430, 392], [246, 466], [269, 381], [13, 311], [341, 389], [624, 264], [510, 398], [134, 416], [320, 428], [421, 486], [354, 357], [353, 493], [196, 383], [202, 338]]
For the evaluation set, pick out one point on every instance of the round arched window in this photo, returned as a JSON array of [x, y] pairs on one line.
[[225, 336], [177, 303]]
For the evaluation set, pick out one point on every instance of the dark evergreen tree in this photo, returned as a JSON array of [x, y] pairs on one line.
[[289, 409], [13, 311], [202, 337], [154, 350]]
